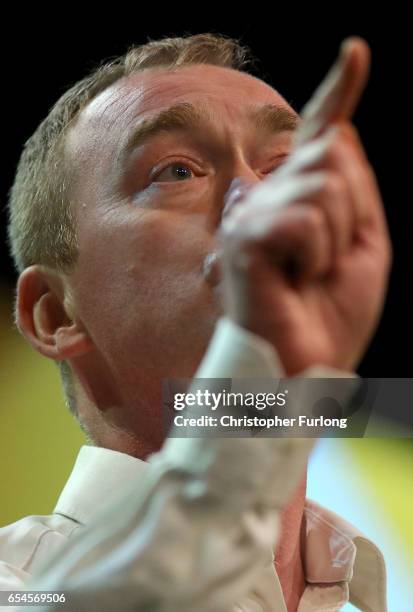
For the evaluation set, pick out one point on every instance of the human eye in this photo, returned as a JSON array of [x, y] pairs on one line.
[[274, 164], [173, 172]]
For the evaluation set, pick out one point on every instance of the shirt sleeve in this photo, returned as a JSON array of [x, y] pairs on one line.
[[200, 528]]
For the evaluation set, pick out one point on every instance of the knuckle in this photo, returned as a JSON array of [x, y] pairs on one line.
[[334, 185], [334, 148], [312, 222]]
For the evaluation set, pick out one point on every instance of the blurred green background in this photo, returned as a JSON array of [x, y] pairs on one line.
[[39, 438]]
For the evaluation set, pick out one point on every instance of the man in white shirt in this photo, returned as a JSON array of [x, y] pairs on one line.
[[139, 217]]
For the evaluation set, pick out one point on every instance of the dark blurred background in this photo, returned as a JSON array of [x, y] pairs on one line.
[[41, 58]]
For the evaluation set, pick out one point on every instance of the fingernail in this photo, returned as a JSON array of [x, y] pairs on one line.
[[211, 268]]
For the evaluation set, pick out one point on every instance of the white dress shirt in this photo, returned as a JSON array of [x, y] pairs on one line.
[[193, 529]]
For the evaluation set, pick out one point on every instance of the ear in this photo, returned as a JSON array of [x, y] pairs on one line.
[[43, 319]]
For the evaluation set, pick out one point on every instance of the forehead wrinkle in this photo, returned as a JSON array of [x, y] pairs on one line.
[[108, 108], [125, 102]]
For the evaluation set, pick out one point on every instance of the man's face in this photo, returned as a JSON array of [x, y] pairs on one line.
[[154, 156]]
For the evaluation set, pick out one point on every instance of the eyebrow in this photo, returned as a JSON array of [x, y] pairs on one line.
[[273, 119], [186, 116]]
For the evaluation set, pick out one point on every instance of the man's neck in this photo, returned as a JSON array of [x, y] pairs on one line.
[[288, 554]]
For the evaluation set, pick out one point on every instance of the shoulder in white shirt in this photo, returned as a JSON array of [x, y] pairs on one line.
[[335, 553], [160, 536]]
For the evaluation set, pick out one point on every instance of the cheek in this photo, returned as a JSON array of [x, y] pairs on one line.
[[167, 247], [134, 274]]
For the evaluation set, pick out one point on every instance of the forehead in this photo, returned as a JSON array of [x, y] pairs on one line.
[[137, 96], [158, 88]]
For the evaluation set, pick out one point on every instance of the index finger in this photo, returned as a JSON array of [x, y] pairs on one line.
[[339, 93]]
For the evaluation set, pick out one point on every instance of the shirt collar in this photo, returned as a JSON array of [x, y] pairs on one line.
[[335, 551], [96, 475]]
